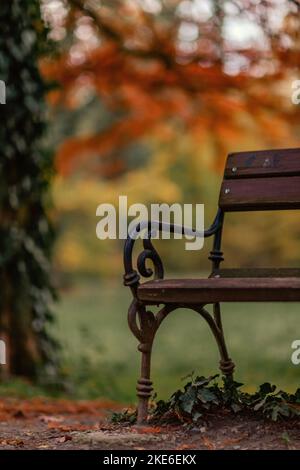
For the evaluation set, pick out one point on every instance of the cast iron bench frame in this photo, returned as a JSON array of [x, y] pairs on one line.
[[253, 181]]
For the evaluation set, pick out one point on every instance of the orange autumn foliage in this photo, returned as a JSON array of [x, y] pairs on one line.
[[147, 70]]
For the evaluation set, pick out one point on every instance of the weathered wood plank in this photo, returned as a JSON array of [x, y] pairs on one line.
[[189, 291], [271, 163], [260, 194], [257, 272]]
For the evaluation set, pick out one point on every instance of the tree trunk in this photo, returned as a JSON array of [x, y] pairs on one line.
[[26, 168]]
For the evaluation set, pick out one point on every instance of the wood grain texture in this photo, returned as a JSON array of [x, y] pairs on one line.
[[260, 194], [191, 291], [271, 163], [257, 272]]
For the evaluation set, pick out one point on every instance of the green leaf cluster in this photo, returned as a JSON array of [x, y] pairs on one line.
[[201, 396]]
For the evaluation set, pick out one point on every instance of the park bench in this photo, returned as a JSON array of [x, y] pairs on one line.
[[253, 181]]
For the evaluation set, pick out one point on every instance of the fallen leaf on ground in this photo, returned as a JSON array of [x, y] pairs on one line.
[[185, 447], [208, 443], [63, 439], [72, 427], [51, 419], [149, 430], [229, 442], [12, 442]]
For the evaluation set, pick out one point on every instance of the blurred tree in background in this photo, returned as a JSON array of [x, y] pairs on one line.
[[153, 95], [212, 69], [25, 172]]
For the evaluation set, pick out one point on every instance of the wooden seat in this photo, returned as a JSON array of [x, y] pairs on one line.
[[226, 286]]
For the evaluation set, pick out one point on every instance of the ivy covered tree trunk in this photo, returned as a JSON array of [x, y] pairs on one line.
[[25, 172]]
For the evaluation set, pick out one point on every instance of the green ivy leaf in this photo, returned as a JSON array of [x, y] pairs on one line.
[[188, 399]]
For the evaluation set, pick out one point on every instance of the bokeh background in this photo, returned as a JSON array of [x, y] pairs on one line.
[[146, 98]]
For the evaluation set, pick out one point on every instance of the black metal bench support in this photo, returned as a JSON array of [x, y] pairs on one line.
[[144, 325]]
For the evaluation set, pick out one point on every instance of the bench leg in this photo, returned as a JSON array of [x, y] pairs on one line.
[[143, 325], [226, 364], [215, 324], [144, 385]]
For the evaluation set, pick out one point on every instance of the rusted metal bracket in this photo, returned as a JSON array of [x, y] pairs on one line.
[[144, 325]]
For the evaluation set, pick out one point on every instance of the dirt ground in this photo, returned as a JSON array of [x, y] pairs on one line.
[[62, 424]]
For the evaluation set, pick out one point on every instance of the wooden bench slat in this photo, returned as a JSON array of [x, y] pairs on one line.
[[197, 291], [255, 164], [260, 194], [257, 272]]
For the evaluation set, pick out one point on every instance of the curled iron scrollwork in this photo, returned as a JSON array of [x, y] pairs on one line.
[[144, 323], [149, 253], [132, 276]]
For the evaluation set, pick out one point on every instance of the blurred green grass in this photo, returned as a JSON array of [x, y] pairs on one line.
[[100, 356]]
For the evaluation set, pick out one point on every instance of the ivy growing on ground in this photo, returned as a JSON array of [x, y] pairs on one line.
[[26, 169], [202, 396]]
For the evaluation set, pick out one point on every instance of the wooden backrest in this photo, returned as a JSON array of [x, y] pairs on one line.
[[261, 180]]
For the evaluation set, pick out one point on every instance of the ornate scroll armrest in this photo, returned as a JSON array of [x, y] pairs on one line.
[[131, 276]]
